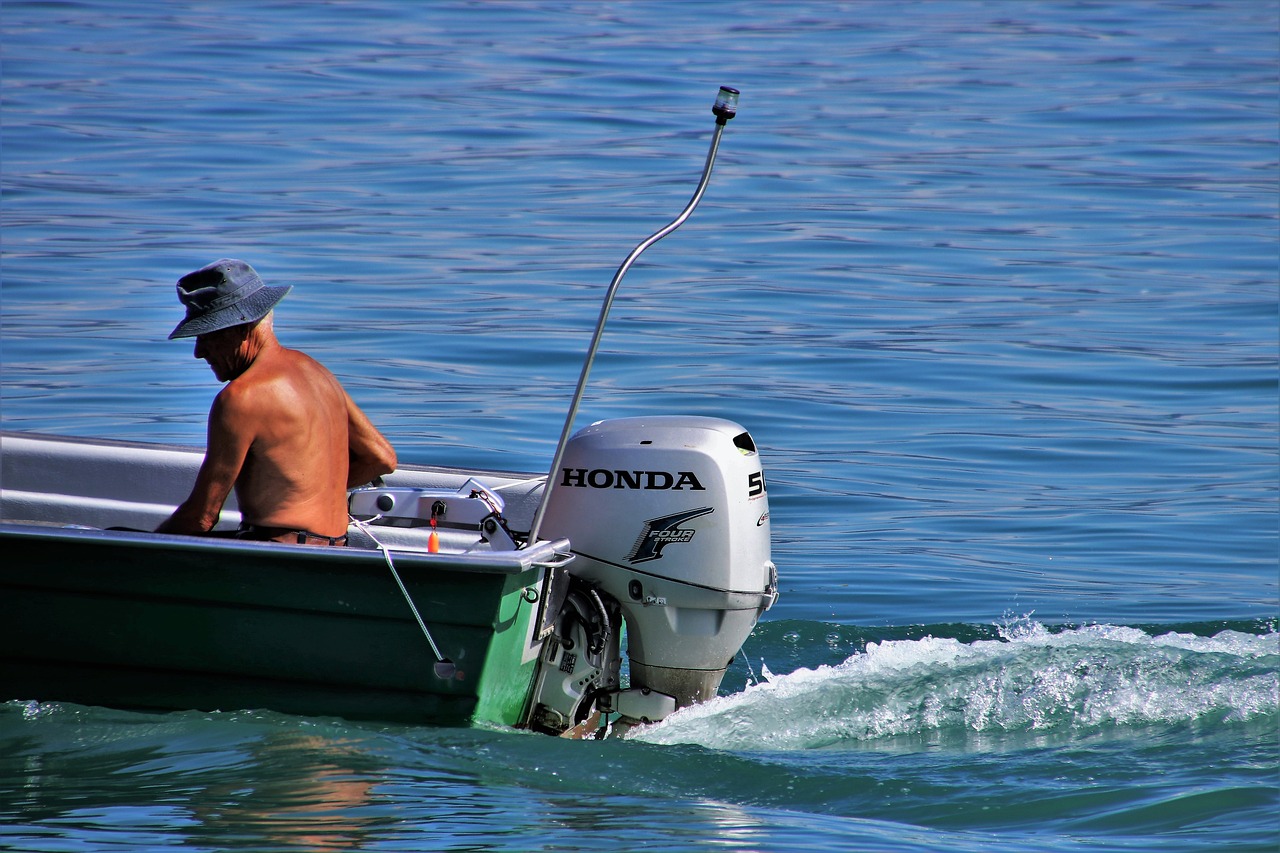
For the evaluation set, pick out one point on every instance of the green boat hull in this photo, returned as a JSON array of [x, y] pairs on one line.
[[169, 623]]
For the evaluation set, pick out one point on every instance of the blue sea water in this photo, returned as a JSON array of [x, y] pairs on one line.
[[994, 285]]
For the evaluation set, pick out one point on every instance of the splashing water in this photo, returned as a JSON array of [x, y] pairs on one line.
[[1030, 680]]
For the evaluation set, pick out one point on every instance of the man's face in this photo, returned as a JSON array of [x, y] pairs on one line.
[[225, 351]]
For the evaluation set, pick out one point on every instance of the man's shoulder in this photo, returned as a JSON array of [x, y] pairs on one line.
[[291, 360], [283, 375], [235, 394], [293, 373]]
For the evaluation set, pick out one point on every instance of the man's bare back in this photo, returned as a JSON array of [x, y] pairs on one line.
[[293, 415], [283, 433]]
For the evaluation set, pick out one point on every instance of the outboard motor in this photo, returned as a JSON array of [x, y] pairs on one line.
[[669, 517]]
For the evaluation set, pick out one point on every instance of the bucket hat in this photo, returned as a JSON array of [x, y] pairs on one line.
[[225, 293]]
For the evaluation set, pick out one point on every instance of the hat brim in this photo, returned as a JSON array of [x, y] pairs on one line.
[[249, 310]]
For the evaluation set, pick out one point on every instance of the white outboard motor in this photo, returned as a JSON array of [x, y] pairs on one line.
[[669, 516]]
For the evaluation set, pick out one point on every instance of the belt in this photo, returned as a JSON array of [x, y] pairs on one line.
[[255, 533]]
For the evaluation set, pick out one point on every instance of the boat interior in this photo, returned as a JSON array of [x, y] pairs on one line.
[[103, 484]]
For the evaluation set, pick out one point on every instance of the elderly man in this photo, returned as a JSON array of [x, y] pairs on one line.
[[282, 432]]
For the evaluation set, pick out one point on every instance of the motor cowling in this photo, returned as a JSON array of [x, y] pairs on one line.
[[669, 515]]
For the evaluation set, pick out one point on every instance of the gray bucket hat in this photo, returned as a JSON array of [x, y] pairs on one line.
[[225, 293]]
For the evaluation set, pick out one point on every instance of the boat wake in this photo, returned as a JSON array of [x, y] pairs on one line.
[[1028, 680]]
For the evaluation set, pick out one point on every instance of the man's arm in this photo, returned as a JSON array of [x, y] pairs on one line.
[[370, 454], [225, 452]]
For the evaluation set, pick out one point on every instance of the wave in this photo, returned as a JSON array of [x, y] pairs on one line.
[[1027, 679]]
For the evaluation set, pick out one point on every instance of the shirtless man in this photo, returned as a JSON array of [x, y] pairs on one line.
[[283, 431]]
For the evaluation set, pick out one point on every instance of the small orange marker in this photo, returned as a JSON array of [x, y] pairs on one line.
[[433, 541]]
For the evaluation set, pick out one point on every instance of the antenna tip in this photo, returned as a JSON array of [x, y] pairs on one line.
[[726, 105]]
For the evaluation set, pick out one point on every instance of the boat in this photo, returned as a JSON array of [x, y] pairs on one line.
[[463, 597], [659, 523]]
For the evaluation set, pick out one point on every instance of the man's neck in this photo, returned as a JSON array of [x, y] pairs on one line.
[[261, 341]]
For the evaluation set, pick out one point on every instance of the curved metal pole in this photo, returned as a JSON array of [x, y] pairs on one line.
[[724, 109]]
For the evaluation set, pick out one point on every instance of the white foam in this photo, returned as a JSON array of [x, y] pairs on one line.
[[1031, 680]]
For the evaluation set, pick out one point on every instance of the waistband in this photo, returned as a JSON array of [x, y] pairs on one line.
[[256, 533]]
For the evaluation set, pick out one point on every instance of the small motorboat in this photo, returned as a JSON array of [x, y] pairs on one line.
[[463, 597]]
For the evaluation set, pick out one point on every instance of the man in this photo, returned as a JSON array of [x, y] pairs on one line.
[[283, 431]]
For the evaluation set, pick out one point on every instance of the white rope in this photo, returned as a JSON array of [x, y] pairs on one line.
[[518, 483], [386, 555]]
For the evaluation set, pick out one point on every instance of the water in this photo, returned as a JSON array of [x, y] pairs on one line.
[[993, 285]]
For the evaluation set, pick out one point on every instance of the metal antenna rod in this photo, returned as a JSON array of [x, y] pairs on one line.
[[725, 108]]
